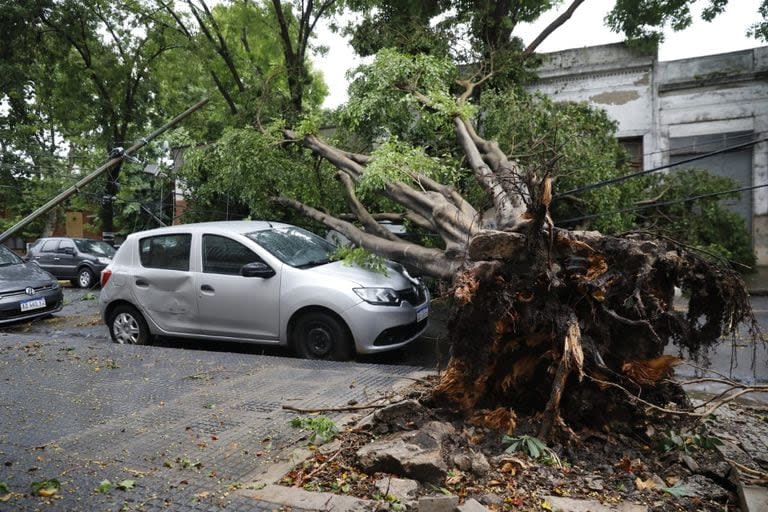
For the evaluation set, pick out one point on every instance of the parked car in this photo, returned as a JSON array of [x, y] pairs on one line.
[[257, 281], [80, 260], [26, 290]]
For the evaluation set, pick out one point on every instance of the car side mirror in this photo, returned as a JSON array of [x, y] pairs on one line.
[[257, 269]]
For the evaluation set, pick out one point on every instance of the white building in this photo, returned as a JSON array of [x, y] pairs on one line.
[[675, 110]]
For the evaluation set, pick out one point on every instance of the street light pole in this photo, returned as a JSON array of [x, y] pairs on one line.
[[98, 172]]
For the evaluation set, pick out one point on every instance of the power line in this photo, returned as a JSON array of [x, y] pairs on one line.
[[732, 138], [663, 203], [619, 179]]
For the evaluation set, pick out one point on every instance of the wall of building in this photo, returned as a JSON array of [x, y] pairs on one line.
[[681, 100]]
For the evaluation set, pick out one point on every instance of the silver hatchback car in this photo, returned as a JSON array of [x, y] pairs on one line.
[[261, 282]]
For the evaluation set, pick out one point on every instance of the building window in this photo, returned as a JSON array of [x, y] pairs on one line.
[[634, 147]]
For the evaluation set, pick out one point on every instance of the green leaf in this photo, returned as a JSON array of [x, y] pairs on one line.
[[533, 448], [125, 485], [677, 491], [4, 488], [104, 487], [45, 488]]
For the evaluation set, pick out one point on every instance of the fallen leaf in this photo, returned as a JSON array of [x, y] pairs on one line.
[[642, 485], [125, 485], [546, 505]]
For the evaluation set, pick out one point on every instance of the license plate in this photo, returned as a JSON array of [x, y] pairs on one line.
[[422, 313], [32, 304]]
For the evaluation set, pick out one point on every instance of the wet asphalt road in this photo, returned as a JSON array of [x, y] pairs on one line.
[[80, 318]]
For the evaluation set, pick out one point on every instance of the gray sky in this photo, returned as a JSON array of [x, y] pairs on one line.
[[725, 34]]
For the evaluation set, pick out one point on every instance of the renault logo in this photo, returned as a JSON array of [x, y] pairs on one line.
[[29, 290]]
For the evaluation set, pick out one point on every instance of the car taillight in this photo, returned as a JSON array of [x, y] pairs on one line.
[[105, 275]]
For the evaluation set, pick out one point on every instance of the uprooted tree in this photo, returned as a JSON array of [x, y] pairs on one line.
[[566, 323], [569, 324]]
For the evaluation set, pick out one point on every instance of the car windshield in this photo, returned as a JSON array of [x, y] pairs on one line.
[[7, 257], [96, 247], [295, 246]]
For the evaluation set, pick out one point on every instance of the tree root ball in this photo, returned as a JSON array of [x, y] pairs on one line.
[[579, 327]]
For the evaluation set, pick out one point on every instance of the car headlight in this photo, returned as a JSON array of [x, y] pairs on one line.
[[104, 261], [378, 296]]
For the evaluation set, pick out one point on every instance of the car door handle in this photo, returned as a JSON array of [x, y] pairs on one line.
[[207, 288], [141, 282]]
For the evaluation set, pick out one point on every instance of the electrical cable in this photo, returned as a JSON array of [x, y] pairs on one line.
[[619, 179], [663, 203]]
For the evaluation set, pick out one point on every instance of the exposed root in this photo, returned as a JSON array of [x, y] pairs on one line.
[[527, 329]]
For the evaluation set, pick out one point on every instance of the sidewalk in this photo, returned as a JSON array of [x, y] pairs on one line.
[[189, 429], [757, 282]]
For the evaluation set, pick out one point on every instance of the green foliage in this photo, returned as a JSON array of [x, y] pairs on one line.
[[705, 223], [534, 447], [686, 440], [45, 488], [239, 175], [573, 142], [678, 491], [362, 258], [323, 429], [387, 98], [4, 489], [125, 485], [397, 161], [104, 487], [647, 19]]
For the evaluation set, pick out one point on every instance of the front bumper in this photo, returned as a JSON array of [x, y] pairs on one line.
[[382, 328], [10, 304]]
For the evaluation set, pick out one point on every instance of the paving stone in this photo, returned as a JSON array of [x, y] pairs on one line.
[[440, 503], [403, 489], [753, 498], [413, 454], [471, 505], [299, 498], [560, 504]]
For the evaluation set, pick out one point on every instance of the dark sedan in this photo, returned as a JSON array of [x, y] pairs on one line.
[[26, 290]]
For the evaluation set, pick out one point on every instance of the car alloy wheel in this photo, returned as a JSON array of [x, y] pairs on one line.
[[128, 327], [85, 278]]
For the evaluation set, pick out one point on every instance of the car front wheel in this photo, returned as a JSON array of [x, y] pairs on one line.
[[318, 335], [127, 326], [85, 278]]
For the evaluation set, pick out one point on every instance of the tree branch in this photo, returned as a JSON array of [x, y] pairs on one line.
[[551, 28], [506, 213], [370, 224], [430, 261]]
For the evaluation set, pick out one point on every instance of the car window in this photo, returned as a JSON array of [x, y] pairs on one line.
[[170, 252], [66, 243], [96, 247], [294, 246], [7, 257], [50, 246], [222, 255]]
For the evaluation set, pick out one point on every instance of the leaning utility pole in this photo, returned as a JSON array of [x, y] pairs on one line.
[[98, 172]]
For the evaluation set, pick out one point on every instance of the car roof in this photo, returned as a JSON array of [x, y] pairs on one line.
[[222, 226]]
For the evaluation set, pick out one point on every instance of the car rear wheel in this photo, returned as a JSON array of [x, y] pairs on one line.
[[127, 326], [85, 278], [318, 335]]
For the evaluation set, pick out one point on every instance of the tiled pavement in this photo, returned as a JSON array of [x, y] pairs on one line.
[[188, 427]]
